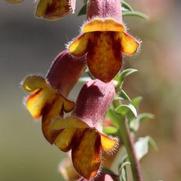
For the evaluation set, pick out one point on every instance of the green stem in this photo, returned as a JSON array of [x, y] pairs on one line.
[[127, 6], [129, 144]]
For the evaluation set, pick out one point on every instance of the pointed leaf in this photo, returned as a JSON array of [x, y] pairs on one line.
[[136, 101], [125, 73], [123, 168], [126, 6], [135, 123], [153, 144], [135, 13], [125, 109], [124, 95]]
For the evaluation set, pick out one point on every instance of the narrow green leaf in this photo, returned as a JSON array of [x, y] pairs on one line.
[[145, 116], [135, 123], [124, 158], [125, 73], [136, 101], [124, 95], [153, 144], [135, 13], [122, 168], [118, 99], [120, 77], [123, 175], [126, 6], [124, 9], [126, 109]]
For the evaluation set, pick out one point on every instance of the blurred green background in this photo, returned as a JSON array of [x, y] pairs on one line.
[[28, 45]]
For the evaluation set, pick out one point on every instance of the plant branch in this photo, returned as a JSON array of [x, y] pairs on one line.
[[129, 144]]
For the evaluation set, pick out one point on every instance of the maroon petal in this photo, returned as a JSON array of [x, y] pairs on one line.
[[65, 72], [94, 100], [105, 9]]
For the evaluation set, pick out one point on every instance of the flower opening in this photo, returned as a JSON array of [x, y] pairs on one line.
[[104, 39], [79, 132]]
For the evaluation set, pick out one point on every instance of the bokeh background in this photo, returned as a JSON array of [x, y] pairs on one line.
[[28, 45]]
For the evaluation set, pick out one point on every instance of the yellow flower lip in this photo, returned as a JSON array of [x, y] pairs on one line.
[[69, 122], [42, 97], [54, 9], [86, 144], [45, 102], [102, 24], [33, 82], [104, 41]]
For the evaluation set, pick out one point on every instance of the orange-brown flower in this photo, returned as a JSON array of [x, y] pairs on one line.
[[79, 132], [53, 9], [104, 38], [47, 99]]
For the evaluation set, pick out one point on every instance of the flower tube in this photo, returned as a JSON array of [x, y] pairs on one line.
[[79, 132]]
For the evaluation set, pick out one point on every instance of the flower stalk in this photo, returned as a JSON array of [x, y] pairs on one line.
[[101, 46], [129, 145]]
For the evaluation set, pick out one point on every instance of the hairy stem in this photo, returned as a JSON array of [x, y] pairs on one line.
[[129, 144]]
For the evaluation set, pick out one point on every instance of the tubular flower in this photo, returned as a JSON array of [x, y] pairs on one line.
[[79, 132], [47, 99], [104, 38], [53, 9]]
